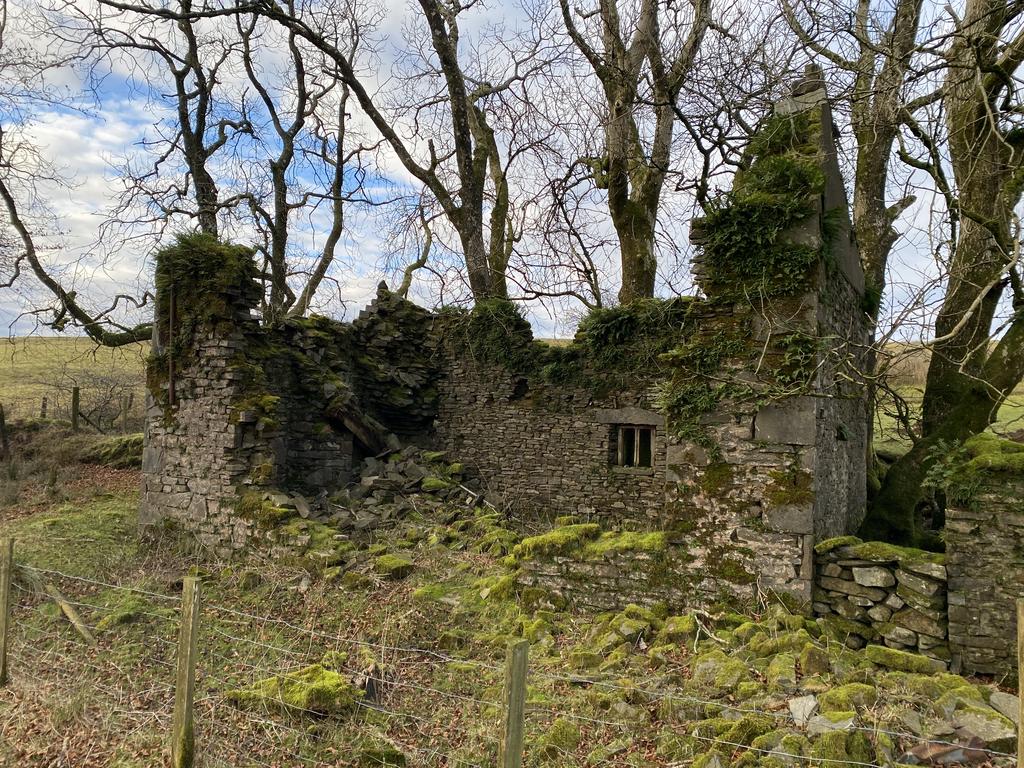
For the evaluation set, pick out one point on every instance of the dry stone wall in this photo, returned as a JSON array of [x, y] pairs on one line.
[[870, 592], [985, 558], [549, 450]]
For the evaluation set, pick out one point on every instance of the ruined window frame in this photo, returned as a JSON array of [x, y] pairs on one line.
[[636, 447]]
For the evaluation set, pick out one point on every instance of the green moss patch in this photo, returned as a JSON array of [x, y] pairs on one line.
[[311, 690], [557, 542], [121, 452], [626, 541], [890, 658], [393, 567]]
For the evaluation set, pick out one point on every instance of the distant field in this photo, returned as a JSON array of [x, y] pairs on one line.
[[35, 367], [38, 366], [907, 375]]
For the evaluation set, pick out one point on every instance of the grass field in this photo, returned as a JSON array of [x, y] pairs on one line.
[[35, 367], [281, 649]]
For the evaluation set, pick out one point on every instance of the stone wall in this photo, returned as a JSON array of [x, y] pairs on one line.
[[548, 450], [758, 424], [873, 592], [985, 558]]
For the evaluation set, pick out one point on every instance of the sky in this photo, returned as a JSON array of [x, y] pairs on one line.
[[88, 145]]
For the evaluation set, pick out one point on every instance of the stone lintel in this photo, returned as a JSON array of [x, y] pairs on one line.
[[629, 415]]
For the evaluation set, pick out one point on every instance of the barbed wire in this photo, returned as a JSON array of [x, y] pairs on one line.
[[61, 574], [431, 656]]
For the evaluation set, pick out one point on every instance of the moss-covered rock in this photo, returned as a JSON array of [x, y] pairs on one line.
[[393, 567], [615, 542], [781, 673], [557, 541], [845, 698], [715, 672], [891, 658], [680, 630], [311, 690], [561, 739], [814, 660]]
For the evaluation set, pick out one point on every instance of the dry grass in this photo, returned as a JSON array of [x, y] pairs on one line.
[[35, 367]]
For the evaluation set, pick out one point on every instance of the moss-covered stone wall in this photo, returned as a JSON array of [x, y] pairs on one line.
[[871, 592], [984, 534], [750, 391]]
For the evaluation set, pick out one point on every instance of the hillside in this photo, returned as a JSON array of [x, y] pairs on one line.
[[389, 651]]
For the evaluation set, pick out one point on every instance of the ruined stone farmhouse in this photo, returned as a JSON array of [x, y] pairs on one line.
[[694, 450]]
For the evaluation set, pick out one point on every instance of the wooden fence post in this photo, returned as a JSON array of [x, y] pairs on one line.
[[182, 734], [42, 407], [511, 755], [1020, 680], [4, 447], [124, 414], [75, 403], [6, 572]]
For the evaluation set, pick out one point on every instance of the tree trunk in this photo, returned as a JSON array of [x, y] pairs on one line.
[[636, 245]]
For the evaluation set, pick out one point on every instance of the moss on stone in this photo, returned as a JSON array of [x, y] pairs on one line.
[[614, 542], [814, 660], [781, 672], [311, 690], [680, 630], [717, 477], [790, 486], [558, 541], [561, 738], [839, 629], [119, 452], [748, 728], [891, 658], [769, 645], [826, 546], [435, 484], [716, 672], [845, 698], [431, 593], [124, 609], [882, 552], [393, 567]]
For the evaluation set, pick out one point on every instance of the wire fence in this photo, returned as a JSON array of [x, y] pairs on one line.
[[268, 692]]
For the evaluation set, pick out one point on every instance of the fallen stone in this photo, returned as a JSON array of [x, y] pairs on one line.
[[1007, 705], [802, 709], [834, 721], [994, 730], [902, 661]]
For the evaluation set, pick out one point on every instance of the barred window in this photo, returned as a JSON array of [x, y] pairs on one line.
[[635, 446]]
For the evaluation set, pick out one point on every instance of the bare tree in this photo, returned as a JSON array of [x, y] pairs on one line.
[[643, 58]]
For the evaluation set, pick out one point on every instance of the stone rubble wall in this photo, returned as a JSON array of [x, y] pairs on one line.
[[869, 592], [985, 559], [543, 448], [200, 451], [613, 581]]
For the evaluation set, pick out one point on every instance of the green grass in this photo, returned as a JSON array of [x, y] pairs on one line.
[[888, 436], [34, 367], [92, 540], [109, 705]]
